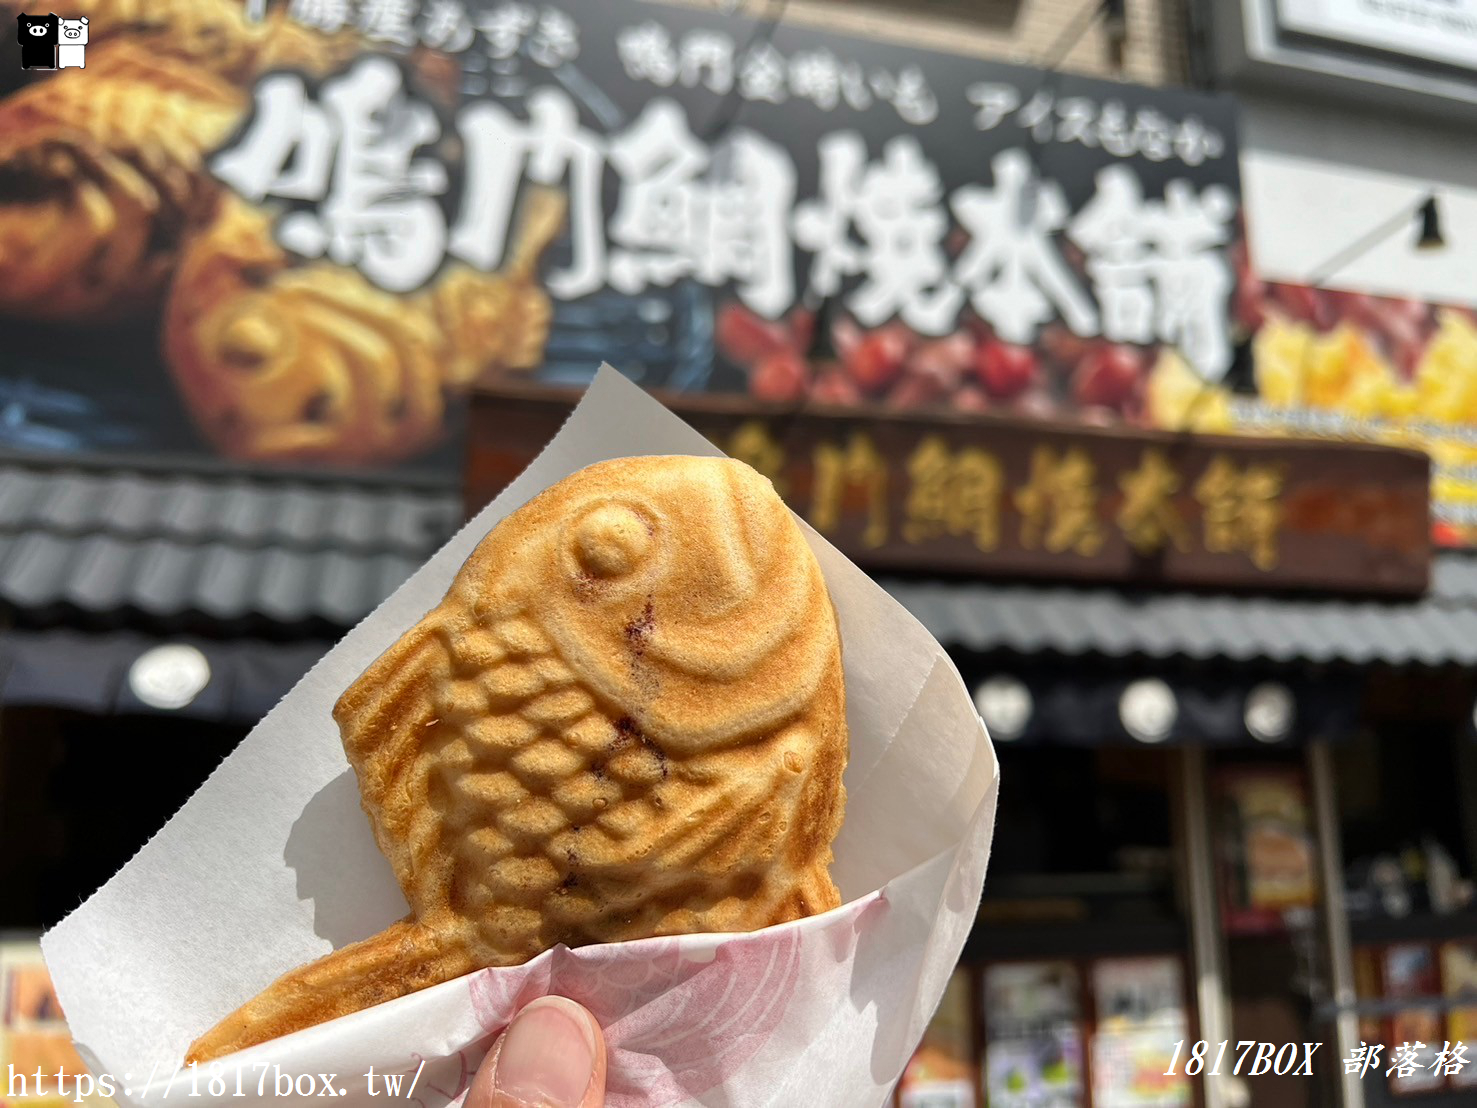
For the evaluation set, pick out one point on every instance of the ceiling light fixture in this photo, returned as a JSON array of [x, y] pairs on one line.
[[169, 676], [1005, 704], [1148, 710], [1269, 712]]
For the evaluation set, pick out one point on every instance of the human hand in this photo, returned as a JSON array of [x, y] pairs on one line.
[[551, 1056]]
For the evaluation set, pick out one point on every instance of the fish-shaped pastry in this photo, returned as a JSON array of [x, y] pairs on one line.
[[626, 718], [102, 175], [284, 360]]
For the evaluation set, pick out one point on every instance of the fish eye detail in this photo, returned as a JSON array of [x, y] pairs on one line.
[[611, 540]]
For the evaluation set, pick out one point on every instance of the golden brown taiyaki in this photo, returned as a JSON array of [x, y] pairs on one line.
[[626, 718], [283, 360], [103, 170], [101, 175]]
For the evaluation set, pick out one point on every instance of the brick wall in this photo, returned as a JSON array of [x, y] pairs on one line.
[[1022, 31]]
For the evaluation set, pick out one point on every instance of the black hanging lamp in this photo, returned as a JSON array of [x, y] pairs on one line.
[[1430, 237], [1115, 22]]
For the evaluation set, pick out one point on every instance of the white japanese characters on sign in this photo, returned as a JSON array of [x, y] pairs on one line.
[[679, 214], [651, 202], [353, 153], [896, 208], [1045, 117], [676, 218], [549, 36], [1158, 267], [1016, 276], [763, 73]]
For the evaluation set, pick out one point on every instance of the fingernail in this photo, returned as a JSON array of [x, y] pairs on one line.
[[548, 1055]]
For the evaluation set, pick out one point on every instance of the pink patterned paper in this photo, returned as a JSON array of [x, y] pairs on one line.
[[682, 1015]]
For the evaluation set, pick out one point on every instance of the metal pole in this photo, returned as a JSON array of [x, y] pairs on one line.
[[1205, 940], [1335, 916]]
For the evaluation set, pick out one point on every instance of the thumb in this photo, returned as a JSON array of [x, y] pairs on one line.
[[551, 1056]]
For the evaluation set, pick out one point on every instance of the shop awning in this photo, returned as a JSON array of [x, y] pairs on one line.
[[98, 564], [1031, 619], [1086, 705], [137, 588], [151, 548], [119, 672]]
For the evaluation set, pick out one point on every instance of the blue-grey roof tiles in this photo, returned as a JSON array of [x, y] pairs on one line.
[[199, 547]]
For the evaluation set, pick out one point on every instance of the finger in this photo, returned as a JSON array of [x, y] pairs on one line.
[[551, 1056]]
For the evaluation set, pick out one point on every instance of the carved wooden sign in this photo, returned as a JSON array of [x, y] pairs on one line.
[[1008, 498]]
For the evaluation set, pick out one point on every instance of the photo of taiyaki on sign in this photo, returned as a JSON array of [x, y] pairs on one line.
[[625, 719]]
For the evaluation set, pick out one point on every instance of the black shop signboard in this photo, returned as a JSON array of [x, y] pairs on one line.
[[343, 217]]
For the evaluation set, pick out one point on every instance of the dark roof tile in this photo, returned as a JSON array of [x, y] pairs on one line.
[[298, 517], [390, 571], [248, 514], [412, 520], [354, 519], [234, 546], [18, 491], [70, 505], [36, 568], [101, 571], [190, 509], [1032, 619], [132, 505], [226, 583], [345, 592], [284, 585], [164, 573]]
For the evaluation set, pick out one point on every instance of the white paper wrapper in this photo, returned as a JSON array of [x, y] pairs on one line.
[[272, 864]]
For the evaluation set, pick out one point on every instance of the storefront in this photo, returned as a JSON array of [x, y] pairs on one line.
[[979, 322], [152, 613], [1182, 759], [1241, 826]]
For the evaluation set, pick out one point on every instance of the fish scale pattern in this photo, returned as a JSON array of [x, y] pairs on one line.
[[542, 777], [550, 800]]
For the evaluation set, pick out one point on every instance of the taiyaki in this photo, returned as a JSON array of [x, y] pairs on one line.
[[104, 172], [288, 361], [626, 718]]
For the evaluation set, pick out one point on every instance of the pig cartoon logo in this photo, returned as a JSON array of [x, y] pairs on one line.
[[38, 35], [71, 50]]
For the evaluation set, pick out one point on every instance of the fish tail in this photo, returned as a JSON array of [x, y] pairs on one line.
[[404, 958]]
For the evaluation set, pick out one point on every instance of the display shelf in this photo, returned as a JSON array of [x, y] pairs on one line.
[[1428, 928], [992, 942], [1389, 1005], [1377, 1095], [1025, 885]]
